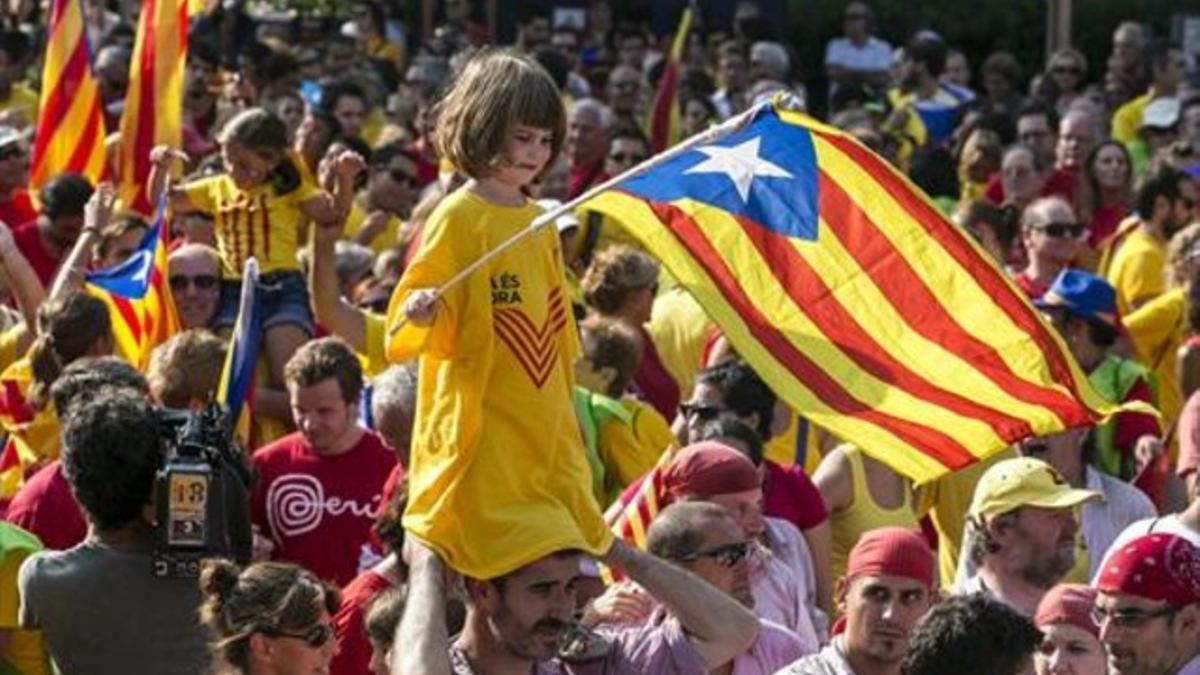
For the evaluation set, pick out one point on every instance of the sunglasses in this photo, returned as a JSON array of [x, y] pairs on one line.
[[725, 556], [1062, 230], [202, 282], [314, 637], [11, 152], [627, 157], [703, 412]]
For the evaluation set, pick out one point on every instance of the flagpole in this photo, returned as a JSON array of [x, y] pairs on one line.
[[710, 135]]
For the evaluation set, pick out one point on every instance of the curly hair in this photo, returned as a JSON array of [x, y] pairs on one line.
[[615, 273], [186, 369], [970, 634], [268, 597], [1184, 246]]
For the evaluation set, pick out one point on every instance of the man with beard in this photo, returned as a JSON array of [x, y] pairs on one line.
[[1021, 532], [888, 586], [1133, 261], [518, 623], [1148, 607], [46, 241]]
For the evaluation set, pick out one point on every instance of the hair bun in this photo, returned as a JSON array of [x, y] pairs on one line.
[[218, 578]]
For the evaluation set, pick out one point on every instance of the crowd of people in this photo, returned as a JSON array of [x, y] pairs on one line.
[[436, 468]]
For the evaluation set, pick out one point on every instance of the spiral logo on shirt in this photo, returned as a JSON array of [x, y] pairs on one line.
[[296, 504]]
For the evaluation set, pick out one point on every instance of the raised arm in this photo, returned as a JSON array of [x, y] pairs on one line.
[[332, 207], [719, 626], [96, 215], [422, 645], [330, 309], [162, 158], [27, 289]]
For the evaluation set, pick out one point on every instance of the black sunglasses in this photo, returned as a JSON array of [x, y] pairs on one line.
[[314, 637], [725, 556], [704, 412], [11, 152], [202, 282], [1062, 230], [632, 158]]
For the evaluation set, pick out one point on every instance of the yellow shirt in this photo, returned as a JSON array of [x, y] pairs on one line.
[[680, 330], [499, 476], [24, 100], [389, 237], [630, 450], [1135, 269], [24, 649], [374, 359], [862, 515], [1128, 119], [1157, 330], [255, 222]]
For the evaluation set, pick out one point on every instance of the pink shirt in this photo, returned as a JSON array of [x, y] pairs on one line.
[[773, 649], [784, 585]]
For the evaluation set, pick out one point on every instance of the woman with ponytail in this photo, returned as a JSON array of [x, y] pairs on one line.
[[267, 619], [69, 327]]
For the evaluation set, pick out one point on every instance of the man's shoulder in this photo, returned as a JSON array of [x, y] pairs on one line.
[[291, 445]]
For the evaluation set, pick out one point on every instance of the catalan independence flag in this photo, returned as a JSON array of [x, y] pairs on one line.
[[662, 120], [237, 375], [32, 434], [858, 303], [153, 113], [138, 296], [70, 130]]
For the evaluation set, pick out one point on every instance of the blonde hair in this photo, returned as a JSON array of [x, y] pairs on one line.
[[614, 274], [186, 369], [498, 90], [1184, 245]]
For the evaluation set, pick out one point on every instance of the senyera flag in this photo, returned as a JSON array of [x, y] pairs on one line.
[[237, 373], [153, 113], [662, 119], [70, 131], [138, 296], [862, 306]]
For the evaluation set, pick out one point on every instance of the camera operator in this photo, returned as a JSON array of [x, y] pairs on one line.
[[99, 607]]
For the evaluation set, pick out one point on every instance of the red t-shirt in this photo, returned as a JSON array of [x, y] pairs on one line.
[[319, 509], [18, 209], [1104, 224], [45, 506], [31, 246], [580, 178], [1060, 183], [789, 494], [653, 383], [1032, 288], [354, 649]]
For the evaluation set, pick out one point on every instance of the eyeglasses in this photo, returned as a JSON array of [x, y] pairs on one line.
[[703, 412], [1062, 230], [725, 556], [202, 282], [631, 157], [1130, 618], [314, 637]]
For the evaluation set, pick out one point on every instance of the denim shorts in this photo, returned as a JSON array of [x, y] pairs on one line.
[[282, 296]]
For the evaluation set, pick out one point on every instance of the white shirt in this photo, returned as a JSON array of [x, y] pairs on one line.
[[874, 55], [831, 660], [1104, 521]]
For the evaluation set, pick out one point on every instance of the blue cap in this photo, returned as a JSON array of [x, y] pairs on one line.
[[1085, 295]]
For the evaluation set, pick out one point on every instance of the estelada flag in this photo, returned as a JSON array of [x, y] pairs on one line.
[[138, 296], [853, 297], [237, 374]]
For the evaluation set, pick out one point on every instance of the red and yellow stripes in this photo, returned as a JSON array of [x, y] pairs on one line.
[[892, 329], [663, 118], [70, 129], [153, 112]]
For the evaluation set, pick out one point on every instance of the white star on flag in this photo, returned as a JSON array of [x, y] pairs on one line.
[[740, 163]]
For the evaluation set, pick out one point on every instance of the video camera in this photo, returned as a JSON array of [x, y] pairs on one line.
[[201, 494]]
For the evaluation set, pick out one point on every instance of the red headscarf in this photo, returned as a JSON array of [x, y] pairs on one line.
[[1156, 566], [892, 551], [705, 469], [1068, 603]]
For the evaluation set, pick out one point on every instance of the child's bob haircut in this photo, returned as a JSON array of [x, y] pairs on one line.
[[497, 91]]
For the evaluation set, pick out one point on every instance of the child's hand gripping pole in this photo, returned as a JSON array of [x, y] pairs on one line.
[[421, 305]]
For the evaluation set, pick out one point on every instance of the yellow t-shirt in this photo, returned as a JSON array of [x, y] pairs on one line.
[[24, 100], [1128, 119], [1157, 330], [389, 237], [255, 222], [1135, 269], [374, 359], [499, 476], [24, 650], [630, 450], [680, 329]]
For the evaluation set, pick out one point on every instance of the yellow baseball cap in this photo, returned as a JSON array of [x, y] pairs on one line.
[[1024, 481]]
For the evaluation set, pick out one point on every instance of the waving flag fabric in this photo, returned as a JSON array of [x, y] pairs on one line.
[[153, 113], [138, 296], [237, 374], [32, 434], [70, 126], [859, 304], [662, 121]]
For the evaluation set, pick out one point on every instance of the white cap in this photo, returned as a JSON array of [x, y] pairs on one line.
[[564, 222], [1161, 113]]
